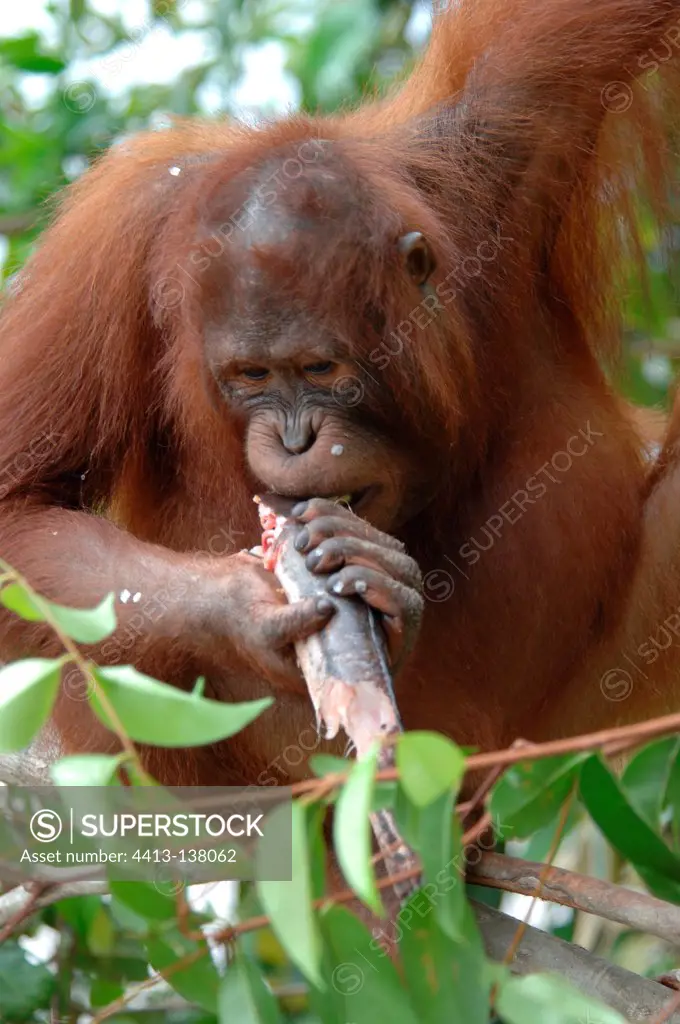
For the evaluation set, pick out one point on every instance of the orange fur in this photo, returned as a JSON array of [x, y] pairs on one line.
[[499, 148]]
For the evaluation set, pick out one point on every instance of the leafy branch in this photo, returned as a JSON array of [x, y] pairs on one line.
[[526, 788]]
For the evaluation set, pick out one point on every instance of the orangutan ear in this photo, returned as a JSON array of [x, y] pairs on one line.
[[418, 257]]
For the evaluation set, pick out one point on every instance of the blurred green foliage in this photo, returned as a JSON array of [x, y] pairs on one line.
[[56, 112]]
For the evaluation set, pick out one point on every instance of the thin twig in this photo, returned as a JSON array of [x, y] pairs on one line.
[[15, 901], [167, 972], [476, 830], [670, 1008], [23, 912], [83, 665], [557, 839], [630, 735], [480, 794], [613, 740], [17, 223]]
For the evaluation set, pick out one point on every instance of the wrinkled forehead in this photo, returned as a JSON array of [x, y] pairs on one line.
[[299, 220], [295, 234], [286, 198]]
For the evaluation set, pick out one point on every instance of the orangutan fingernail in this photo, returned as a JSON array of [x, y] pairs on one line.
[[338, 587], [324, 605], [298, 509], [314, 557], [361, 586], [302, 540]]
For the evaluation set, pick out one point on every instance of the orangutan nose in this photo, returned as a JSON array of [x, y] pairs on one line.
[[298, 438]]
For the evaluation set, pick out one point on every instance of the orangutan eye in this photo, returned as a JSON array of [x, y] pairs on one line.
[[319, 369], [418, 257], [255, 373]]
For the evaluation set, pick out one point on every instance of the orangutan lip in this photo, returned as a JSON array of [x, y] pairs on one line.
[[283, 504], [359, 498]]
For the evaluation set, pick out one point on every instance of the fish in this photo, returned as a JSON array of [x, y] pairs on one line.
[[346, 669]]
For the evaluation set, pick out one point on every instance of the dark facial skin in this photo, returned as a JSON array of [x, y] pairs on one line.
[[301, 446], [284, 375], [301, 439]]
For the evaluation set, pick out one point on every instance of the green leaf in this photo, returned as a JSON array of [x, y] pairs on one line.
[[646, 776], [352, 830], [384, 794], [289, 904], [363, 980], [78, 912], [440, 848], [20, 601], [130, 922], [447, 980], [341, 41], [85, 769], [145, 900], [24, 987], [328, 764], [199, 981], [318, 852], [547, 999], [434, 833], [85, 626], [101, 937], [24, 52], [244, 997], [103, 992], [531, 794], [429, 765], [28, 690], [153, 712], [673, 798], [627, 831], [326, 1006], [541, 843]]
